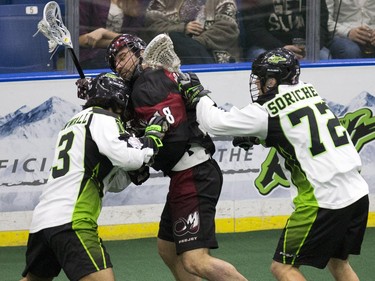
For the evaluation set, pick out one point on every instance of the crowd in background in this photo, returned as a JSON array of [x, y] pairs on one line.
[[218, 31], [202, 31]]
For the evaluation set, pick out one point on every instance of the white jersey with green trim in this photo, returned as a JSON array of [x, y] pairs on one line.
[[315, 151], [88, 148]]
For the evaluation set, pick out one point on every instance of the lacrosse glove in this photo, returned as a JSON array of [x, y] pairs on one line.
[[136, 127], [245, 142], [191, 89], [155, 132], [83, 86], [139, 176]]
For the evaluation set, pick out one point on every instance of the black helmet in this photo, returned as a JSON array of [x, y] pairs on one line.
[[108, 90], [280, 64], [132, 42]]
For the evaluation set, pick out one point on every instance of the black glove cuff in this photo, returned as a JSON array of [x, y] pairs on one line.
[[150, 143], [139, 176]]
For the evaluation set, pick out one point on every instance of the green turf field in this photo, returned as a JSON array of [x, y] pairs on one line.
[[250, 252]]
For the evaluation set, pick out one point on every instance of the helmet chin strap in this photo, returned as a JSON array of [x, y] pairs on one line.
[[270, 84], [266, 97]]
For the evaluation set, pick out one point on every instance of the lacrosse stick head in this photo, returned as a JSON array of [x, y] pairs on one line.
[[160, 53], [52, 27]]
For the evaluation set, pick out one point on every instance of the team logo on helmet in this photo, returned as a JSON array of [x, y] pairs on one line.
[[276, 59]]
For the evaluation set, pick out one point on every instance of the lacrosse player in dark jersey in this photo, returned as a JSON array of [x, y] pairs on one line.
[[187, 226], [93, 155], [330, 197]]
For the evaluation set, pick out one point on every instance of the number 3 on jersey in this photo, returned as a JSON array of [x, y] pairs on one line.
[[65, 144]]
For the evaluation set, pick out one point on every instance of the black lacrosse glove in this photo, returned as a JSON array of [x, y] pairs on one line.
[[139, 176], [83, 86], [245, 142], [155, 132], [136, 127], [191, 89]]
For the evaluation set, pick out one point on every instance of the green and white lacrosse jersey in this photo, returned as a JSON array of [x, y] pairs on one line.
[[88, 149], [315, 152]]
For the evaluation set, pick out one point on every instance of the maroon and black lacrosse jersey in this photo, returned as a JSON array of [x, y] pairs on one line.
[[156, 92]]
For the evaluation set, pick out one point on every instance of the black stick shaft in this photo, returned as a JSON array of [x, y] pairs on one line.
[[76, 63]]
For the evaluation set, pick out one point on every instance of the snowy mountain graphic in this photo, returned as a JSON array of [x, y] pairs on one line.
[[364, 99], [28, 136], [27, 140], [12, 115], [48, 118], [44, 120]]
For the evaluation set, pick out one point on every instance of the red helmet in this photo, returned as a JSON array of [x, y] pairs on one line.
[[132, 42]]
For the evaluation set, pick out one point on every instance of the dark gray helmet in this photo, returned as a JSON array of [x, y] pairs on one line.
[[109, 86], [280, 64]]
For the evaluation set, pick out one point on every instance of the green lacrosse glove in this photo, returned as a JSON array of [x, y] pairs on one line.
[[191, 89], [155, 132]]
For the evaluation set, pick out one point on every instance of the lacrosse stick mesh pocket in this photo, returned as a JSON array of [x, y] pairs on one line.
[[160, 53], [52, 27]]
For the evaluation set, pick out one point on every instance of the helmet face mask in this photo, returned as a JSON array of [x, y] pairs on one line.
[[125, 63], [116, 54], [255, 88], [271, 69]]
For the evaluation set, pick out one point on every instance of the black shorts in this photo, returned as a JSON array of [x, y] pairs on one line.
[[313, 235], [78, 252], [188, 218]]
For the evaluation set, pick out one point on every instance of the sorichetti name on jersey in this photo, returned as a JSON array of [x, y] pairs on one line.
[[286, 98]]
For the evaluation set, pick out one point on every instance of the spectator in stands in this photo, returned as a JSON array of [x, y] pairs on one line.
[[271, 24], [202, 31], [102, 20], [352, 24]]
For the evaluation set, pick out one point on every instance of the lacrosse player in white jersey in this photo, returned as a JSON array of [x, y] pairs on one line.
[[330, 197], [93, 154]]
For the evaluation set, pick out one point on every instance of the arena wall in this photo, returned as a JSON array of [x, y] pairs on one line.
[[33, 110]]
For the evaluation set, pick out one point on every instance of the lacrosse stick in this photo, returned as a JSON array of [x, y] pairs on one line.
[[52, 27], [160, 53]]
